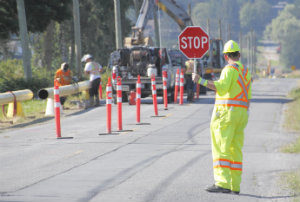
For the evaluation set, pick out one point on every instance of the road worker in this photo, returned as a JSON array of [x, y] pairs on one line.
[[229, 119], [93, 69], [63, 76], [189, 69]]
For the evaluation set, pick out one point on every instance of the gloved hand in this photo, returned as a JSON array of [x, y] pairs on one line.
[[75, 79], [195, 77]]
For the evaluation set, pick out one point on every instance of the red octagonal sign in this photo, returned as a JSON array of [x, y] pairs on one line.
[[193, 42]]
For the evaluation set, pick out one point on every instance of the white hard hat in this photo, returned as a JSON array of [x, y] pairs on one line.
[[85, 57], [63, 65]]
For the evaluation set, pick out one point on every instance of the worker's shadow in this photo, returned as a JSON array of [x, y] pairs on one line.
[[268, 197], [83, 111], [204, 100]]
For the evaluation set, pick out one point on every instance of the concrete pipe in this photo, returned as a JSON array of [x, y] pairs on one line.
[[64, 90], [20, 95]]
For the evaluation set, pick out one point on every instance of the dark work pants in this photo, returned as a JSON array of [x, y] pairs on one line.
[[94, 87]]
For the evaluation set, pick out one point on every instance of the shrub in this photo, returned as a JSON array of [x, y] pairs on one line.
[[12, 77]]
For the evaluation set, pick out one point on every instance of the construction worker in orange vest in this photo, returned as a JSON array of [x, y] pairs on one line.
[[63, 76], [229, 119]]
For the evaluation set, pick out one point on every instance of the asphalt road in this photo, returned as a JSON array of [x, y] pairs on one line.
[[168, 159]]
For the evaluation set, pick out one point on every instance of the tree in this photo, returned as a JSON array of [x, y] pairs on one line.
[[290, 50], [97, 27], [255, 16], [285, 23], [39, 14], [285, 29], [226, 10], [200, 14]]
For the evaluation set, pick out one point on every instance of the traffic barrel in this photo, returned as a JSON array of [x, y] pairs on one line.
[[57, 110], [119, 102], [132, 98], [165, 76], [108, 105], [100, 90], [154, 95], [181, 87], [176, 86], [138, 99]]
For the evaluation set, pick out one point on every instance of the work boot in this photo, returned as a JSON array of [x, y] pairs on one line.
[[190, 95], [235, 192], [97, 103], [217, 189]]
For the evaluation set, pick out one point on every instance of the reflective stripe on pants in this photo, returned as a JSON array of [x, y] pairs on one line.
[[227, 136]]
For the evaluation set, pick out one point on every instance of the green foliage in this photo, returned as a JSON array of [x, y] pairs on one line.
[[286, 30], [98, 29], [11, 69], [51, 54], [255, 16], [290, 50], [293, 113], [33, 84], [200, 14], [39, 13], [292, 180], [12, 74], [226, 10], [284, 24]]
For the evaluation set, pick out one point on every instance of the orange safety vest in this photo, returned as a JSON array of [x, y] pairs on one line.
[[63, 76], [241, 99]]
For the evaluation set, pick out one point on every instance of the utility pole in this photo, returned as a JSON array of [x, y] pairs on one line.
[[228, 32], [241, 45], [253, 51], [118, 24], [76, 17], [211, 44], [208, 27], [190, 10], [24, 39], [248, 52], [220, 29], [157, 27]]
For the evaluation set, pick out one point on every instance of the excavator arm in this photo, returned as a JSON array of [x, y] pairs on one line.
[[148, 13], [177, 13]]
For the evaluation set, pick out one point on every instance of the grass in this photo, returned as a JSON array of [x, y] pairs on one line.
[[292, 121], [35, 109], [292, 180], [293, 74]]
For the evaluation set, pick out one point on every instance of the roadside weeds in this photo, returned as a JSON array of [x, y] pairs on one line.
[[34, 112], [292, 123]]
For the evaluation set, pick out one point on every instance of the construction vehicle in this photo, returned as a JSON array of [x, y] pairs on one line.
[[139, 55]]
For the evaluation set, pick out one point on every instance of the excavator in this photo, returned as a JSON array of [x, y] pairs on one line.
[[141, 56]]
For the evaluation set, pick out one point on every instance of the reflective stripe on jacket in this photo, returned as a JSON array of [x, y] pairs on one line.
[[233, 87]]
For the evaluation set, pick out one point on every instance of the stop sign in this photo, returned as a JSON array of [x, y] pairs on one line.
[[193, 42]]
